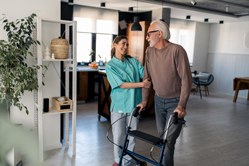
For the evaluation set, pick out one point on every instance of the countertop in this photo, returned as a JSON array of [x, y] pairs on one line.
[[102, 71], [88, 69]]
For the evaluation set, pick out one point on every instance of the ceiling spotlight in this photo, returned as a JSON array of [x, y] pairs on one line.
[[188, 17], [131, 9], [70, 2], [193, 2], [227, 8], [221, 22], [102, 4]]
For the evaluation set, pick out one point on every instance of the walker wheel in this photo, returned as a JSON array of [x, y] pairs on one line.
[[143, 163]]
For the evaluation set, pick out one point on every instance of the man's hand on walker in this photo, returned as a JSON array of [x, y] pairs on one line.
[[142, 106], [181, 111]]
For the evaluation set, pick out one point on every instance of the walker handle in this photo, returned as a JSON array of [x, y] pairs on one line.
[[136, 112], [175, 118]]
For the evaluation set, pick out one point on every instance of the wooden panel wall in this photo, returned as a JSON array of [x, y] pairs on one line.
[[137, 41], [137, 47]]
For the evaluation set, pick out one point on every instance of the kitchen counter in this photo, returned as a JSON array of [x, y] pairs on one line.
[[89, 69]]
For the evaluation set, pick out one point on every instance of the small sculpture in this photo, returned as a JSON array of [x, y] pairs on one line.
[[47, 53], [53, 56]]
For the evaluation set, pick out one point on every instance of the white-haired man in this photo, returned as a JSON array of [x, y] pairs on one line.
[[167, 65]]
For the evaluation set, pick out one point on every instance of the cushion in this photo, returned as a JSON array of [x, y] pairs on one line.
[[206, 78]]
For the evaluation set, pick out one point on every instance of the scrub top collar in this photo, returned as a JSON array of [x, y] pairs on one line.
[[118, 60]]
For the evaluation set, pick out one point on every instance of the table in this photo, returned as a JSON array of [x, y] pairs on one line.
[[197, 76], [240, 83]]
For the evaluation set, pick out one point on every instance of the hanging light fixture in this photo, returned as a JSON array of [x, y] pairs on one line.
[[136, 26], [162, 12]]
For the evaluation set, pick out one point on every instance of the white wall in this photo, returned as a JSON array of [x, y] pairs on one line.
[[157, 14], [201, 47], [227, 57], [228, 38], [46, 9], [185, 25]]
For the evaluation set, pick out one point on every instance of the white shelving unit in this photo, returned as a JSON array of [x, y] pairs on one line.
[[38, 96]]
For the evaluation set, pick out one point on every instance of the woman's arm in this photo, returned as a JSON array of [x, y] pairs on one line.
[[131, 85]]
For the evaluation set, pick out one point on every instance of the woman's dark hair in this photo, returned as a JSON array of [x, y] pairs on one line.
[[116, 40]]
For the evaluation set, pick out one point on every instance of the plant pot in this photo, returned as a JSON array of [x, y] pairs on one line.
[[60, 48]]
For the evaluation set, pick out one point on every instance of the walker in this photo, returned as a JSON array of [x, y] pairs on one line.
[[155, 141]]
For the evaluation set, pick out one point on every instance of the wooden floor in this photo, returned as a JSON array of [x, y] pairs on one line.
[[216, 134]]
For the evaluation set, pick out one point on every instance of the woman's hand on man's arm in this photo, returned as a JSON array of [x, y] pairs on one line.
[[131, 85], [147, 83]]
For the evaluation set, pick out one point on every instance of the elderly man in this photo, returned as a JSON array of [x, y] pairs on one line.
[[167, 65]]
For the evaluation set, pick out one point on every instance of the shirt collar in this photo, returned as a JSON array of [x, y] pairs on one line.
[[118, 60]]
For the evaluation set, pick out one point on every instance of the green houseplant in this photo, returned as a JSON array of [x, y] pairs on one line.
[[16, 76]]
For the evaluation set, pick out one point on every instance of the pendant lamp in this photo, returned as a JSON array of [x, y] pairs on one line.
[[136, 26], [162, 12]]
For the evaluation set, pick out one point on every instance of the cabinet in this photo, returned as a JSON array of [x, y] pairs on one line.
[[71, 63], [83, 86]]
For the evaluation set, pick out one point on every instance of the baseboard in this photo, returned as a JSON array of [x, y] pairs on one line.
[[229, 94], [53, 147]]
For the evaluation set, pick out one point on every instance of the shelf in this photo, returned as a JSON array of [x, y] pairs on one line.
[[53, 112], [57, 60], [70, 62]]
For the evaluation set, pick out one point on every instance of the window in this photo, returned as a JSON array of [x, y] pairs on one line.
[[84, 46], [182, 37], [104, 26], [86, 36], [103, 47], [83, 24]]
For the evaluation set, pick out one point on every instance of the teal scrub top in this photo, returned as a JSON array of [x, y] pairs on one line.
[[118, 72]]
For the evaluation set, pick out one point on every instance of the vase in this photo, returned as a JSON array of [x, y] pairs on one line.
[[60, 48], [90, 59]]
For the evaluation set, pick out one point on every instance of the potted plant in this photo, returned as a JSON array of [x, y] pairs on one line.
[[101, 63], [16, 76], [91, 54]]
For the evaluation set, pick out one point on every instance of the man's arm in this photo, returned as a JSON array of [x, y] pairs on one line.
[[183, 69], [145, 91]]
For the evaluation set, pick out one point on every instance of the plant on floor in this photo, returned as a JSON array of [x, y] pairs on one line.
[[16, 76]]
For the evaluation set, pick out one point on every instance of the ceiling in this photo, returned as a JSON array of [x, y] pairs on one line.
[[214, 10]]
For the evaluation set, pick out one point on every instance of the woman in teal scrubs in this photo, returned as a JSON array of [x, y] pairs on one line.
[[124, 73]]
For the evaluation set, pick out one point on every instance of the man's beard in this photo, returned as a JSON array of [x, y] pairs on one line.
[[153, 42]]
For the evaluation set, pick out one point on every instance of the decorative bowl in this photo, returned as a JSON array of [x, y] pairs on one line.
[[60, 98]]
